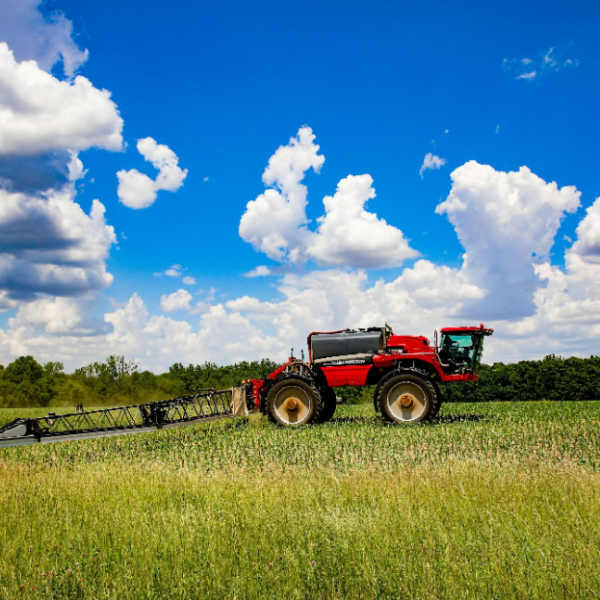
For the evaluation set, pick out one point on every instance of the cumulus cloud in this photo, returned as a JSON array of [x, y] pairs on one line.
[[247, 328], [587, 244], [49, 244], [45, 38], [136, 189], [41, 114], [567, 316], [350, 235], [31, 174], [430, 162], [59, 316], [347, 234], [276, 223], [179, 300], [188, 280], [507, 223], [157, 341]]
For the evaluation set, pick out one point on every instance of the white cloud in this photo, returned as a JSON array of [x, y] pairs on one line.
[[59, 316], [53, 315], [179, 300], [174, 271], [431, 161], [507, 223], [45, 39], [587, 244], [350, 235], [177, 271], [49, 244], [260, 271], [543, 63], [347, 234], [137, 190], [566, 318], [247, 328], [275, 223], [39, 113], [528, 75]]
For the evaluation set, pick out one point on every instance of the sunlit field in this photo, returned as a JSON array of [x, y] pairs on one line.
[[495, 500]]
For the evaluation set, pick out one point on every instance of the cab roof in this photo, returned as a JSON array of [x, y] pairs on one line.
[[464, 329]]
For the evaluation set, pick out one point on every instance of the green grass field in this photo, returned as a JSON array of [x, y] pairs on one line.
[[492, 501]]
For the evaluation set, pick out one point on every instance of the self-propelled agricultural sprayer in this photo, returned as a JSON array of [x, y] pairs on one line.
[[406, 370]]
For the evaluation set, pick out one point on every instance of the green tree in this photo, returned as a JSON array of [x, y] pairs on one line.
[[23, 383]]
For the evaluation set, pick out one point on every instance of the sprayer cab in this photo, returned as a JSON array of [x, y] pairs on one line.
[[460, 348]]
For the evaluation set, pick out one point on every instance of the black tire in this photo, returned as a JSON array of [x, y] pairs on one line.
[[407, 397], [292, 401], [329, 404], [437, 405]]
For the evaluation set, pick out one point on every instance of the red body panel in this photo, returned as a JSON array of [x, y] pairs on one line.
[[409, 343], [350, 375]]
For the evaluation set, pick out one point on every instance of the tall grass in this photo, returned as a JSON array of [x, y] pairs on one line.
[[494, 501]]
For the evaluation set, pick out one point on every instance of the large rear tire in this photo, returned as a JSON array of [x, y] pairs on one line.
[[329, 404], [407, 398], [293, 401]]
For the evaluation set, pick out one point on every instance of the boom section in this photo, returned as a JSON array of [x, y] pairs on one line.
[[150, 416]]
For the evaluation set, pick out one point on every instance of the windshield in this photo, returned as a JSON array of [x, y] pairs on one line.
[[461, 350]]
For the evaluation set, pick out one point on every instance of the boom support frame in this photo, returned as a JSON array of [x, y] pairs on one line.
[[150, 416]]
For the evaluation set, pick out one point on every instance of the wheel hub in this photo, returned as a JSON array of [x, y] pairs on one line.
[[407, 400], [292, 404]]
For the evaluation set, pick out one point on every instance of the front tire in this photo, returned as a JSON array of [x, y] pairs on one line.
[[407, 398], [292, 401]]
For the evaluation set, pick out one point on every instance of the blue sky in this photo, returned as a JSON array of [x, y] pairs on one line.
[[381, 85]]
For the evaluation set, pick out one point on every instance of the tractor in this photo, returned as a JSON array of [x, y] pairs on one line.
[[406, 370]]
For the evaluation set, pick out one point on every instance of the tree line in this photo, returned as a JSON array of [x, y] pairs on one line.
[[552, 378], [25, 382]]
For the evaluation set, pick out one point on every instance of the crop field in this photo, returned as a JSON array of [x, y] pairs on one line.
[[493, 500]]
